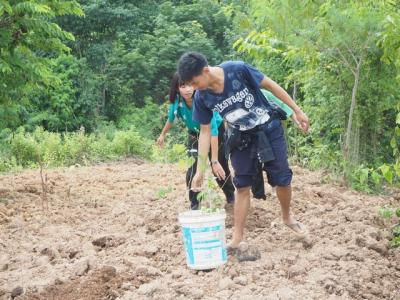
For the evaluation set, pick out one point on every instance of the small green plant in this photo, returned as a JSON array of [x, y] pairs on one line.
[[388, 214], [210, 200], [163, 192]]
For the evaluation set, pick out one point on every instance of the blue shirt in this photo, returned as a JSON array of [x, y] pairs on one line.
[[241, 103], [183, 112]]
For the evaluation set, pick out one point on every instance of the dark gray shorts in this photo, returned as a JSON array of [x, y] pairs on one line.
[[278, 170]]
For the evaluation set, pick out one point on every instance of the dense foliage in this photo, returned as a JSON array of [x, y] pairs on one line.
[[103, 68]]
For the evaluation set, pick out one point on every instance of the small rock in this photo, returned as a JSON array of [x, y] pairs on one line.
[[50, 253], [147, 271], [81, 267], [177, 274], [108, 241], [337, 253], [3, 267], [92, 262], [149, 288], [330, 286], [269, 265], [150, 250], [307, 242], [17, 291], [360, 242], [108, 272], [242, 280], [349, 217], [285, 293], [295, 270], [225, 283], [127, 286], [225, 294], [196, 293], [72, 253], [112, 295], [58, 281], [102, 241], [381, 248], [42, 261], [16, 223]]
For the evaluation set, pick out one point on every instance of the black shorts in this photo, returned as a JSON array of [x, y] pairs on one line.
[[278, 170]]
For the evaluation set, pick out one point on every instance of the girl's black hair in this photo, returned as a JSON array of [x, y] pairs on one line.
[[174, 88]]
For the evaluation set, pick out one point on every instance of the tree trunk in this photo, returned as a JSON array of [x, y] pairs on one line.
[[352, 108]]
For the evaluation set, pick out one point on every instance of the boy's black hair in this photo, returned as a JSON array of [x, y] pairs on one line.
[[191, 64]]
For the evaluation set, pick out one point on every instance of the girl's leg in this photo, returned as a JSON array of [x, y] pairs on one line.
[[192, 145]]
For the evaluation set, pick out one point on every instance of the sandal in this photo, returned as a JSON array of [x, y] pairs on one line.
[[244, 252], [297, 227]]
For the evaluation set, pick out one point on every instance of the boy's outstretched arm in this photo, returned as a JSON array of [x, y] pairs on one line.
[[204, 146], [298, 115]]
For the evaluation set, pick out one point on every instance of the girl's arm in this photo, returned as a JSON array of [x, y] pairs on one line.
[[161, 138]]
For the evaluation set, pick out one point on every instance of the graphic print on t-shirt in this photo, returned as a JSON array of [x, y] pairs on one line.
[[241, 103]]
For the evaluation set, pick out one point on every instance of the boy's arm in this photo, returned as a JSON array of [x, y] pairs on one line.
[[215, 165], [204, 146], [298, 116]]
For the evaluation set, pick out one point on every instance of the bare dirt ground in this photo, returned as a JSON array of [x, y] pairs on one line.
[[108, 234]]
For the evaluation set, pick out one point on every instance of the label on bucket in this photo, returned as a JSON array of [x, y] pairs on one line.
[[204, 245]]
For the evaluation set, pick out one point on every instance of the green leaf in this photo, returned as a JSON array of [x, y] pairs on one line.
[[393, 143], [396, 242], [387, 173], [376, 178], [364, 175], [386, 212]]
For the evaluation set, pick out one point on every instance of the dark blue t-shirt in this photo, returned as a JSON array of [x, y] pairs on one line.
[[241, 104]]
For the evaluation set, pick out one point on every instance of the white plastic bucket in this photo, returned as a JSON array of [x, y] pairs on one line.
[[204, 239]]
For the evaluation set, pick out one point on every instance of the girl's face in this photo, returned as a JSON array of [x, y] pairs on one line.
[[186, 91]]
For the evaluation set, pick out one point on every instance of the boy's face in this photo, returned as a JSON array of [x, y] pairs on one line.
[[201, 82]]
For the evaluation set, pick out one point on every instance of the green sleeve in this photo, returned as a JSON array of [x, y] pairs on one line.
[[171, 113], [214, 125], [271, 98]]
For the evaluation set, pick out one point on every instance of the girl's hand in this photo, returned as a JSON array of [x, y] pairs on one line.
[[160, 140]]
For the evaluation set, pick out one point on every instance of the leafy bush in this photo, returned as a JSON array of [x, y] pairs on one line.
[[30, 149]]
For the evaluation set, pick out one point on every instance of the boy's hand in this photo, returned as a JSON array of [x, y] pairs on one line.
[[218, 170], [197, 182], [301, 119]]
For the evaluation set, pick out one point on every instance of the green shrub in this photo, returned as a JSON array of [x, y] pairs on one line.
[[126, 143]]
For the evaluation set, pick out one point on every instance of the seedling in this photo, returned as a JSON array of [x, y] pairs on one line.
[[388, 214], [163, 192]]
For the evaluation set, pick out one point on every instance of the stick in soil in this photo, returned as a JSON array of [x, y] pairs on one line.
[[44, 189]]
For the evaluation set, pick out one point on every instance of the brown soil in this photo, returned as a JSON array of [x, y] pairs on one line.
[[107, 234]]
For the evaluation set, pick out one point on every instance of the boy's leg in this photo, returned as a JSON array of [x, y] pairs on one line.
[[284, 194], [280, 175], [241, 209], [245, 171]]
